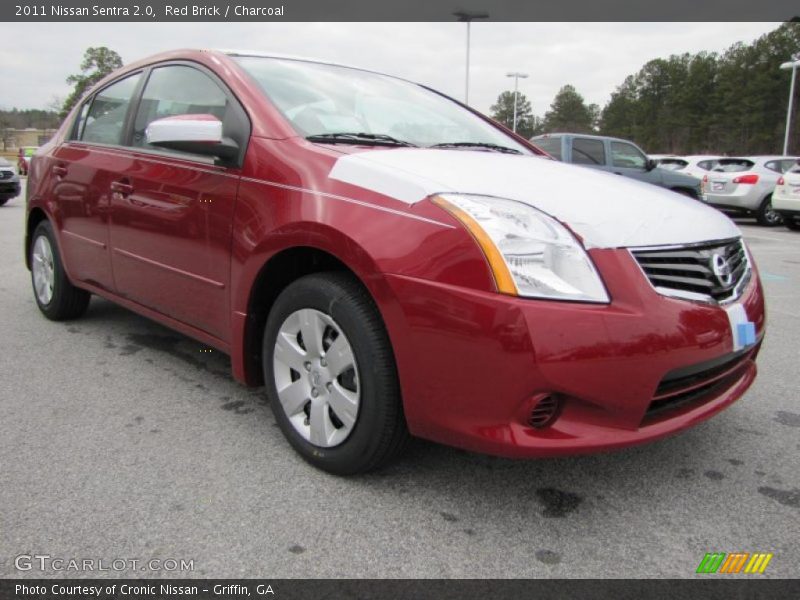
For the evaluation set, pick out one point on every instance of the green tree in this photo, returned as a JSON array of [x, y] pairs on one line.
[[733, 103], [97, 63], [503, 112], [569, 113]]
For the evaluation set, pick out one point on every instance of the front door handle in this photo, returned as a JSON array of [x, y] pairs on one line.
[[59, 171], [123, 188]]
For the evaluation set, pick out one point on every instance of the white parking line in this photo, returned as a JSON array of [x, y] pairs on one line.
[[748, 236]]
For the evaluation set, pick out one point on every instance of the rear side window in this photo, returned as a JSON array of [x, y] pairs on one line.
[[177, 90], [775, 165], [673, 164], [707, 165], [551, 145], [733, 165], [105, 119], [586, 151]]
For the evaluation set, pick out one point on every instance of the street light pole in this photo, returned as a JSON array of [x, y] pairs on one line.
[[517, 77], [793, 64], [467, 17]]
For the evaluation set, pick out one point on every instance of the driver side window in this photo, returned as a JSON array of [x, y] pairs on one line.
[[177, 90], [627, 156]]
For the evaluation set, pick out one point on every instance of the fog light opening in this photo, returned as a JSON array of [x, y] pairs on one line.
[[545, 411]]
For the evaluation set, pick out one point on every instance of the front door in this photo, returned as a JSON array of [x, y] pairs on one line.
[[172, 212], [628, 160]]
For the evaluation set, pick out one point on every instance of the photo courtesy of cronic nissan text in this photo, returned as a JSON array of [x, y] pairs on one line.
[[308, 300]]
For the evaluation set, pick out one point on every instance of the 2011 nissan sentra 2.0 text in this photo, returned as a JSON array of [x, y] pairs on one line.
[[388, 262]]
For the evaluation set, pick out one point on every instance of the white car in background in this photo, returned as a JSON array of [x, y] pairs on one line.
[[786, 197], [744, 185], [696, 165]]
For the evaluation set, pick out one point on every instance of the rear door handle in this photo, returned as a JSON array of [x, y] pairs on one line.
[[122, 187], [59, 171]]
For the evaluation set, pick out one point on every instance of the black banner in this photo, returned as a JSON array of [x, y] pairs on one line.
[[746, 587], [405, 10]]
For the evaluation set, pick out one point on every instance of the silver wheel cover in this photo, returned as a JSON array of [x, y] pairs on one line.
[[43, 270], [316, 377]]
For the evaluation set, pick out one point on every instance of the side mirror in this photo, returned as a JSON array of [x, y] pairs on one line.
[[650, 165], [196, 134]]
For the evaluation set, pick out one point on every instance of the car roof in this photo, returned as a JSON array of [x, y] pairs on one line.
[[319, 61], [760, 158], [194, 53], [583, 135]]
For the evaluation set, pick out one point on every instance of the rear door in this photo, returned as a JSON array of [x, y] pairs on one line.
[[172, 211], [80, 171]]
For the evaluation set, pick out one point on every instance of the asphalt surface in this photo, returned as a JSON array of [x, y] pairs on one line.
[[120, 439]]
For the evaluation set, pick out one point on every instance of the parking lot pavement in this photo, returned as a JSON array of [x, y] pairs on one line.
[[120, 439]]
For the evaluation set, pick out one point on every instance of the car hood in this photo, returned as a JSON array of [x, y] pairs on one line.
[[607, 211]]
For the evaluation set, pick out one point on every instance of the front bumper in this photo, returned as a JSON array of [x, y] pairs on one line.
[[472, 363]]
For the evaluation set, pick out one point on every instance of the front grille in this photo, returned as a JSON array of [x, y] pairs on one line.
[[6, 174], [694, 385], [689, 272]]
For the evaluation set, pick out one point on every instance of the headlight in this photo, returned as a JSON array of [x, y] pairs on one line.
[[530, 253]]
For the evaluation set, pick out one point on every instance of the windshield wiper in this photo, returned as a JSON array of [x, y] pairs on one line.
[[372, 139], [487, 145]]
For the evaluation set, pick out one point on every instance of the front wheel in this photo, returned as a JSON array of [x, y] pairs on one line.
[[766, 215], [55, 295], [792, 223], [4, 200], [330, 375]]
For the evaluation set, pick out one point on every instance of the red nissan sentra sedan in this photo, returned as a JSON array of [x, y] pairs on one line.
[[388, 261]]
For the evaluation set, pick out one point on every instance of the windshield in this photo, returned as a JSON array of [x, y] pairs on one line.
[[323, 100]]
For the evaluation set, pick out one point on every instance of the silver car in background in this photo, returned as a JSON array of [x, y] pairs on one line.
[[9, 182], [786, 197], [744, 185]]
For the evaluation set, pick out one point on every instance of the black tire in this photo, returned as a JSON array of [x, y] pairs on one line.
[[379, 433], [4, 200], [766, 215], [792, 223], [67, 301]]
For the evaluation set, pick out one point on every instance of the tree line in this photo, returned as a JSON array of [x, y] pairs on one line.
[[732, 102]]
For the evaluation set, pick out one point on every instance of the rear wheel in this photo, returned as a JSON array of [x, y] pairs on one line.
[[792, 223], [331, 377], [3, 201], [55, 295], [766, 215]]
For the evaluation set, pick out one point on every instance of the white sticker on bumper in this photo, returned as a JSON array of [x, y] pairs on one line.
[[742, 330]]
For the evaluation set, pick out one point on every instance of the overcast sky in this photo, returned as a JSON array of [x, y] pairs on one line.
[[594, 57]]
